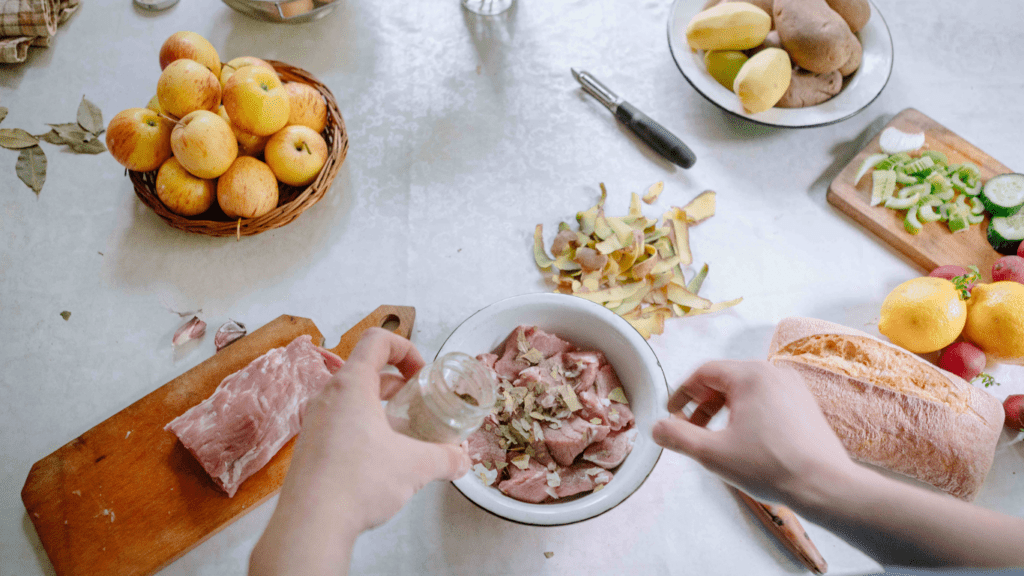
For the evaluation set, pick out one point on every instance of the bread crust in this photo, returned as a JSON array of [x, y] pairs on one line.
[[945, 437]]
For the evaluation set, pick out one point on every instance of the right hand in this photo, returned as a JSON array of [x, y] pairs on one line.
[[776, 444]]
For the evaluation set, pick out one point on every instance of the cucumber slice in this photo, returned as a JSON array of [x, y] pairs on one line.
[[1003, 195], [1006, 232]]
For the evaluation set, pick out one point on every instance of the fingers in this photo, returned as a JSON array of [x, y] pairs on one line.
[[678, 435], [443, 461], [390, 384], [375, 350]]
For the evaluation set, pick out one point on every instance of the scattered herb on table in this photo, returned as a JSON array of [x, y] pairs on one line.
[[81, 137]]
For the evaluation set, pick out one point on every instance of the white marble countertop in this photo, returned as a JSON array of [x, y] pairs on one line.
[[465, 133]]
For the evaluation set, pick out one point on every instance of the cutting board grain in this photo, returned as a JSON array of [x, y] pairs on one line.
[[126, 498], [935, 245]]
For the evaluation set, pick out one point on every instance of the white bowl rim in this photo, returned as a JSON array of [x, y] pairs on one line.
[[865, 90], [607, 501]]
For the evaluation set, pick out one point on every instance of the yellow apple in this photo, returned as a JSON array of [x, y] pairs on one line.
[[308, 107], [192, 46], [183, 193], [186, 86], [256, 101], [248, 144], [296, 154], [241, 62], [139, 139], [248, 189], [204, 144]]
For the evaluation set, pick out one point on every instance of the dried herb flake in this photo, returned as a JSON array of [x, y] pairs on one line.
[[65, 315]]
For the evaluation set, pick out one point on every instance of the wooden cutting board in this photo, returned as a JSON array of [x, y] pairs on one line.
[[126, 498], [935, 245]]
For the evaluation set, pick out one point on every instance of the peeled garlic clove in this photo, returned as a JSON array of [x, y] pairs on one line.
[[228, 333], [194, 328]]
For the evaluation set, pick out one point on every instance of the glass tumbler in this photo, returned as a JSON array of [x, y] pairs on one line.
[[487, 7], [445, 401]]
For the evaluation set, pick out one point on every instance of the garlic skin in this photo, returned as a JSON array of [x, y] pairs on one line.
[[228, 333], [194, 328]]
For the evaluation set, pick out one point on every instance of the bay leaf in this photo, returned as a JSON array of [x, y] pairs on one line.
[[52, 137], [3, 113], [89, 117], [94, 146], [31, 167], [16, 139], [70, 132]]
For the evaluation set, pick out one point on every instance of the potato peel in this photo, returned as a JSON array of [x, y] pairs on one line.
[[630, 264]]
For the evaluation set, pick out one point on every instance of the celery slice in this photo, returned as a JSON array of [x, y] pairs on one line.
[[937, 156], [911, 223], [977, 206], [926, 212], [919, 165], [869, 164], [975, 218], [883, 184], [902, 203], [920, 190], [958, 222]]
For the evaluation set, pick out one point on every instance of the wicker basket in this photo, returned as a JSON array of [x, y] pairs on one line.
[[292, 200]]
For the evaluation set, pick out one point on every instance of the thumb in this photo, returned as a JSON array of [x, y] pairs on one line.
[[443, 461], [679, 435]]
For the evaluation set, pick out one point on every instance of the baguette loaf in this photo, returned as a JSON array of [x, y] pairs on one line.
[[891, 408]]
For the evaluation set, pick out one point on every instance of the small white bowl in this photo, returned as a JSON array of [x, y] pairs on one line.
[[588, 326]]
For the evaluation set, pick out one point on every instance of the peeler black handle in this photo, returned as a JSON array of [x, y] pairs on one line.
[[655, 135]]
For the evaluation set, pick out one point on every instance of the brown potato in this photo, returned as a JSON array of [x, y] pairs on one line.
[[771, 41], [853, 63], [807, 88], [816, 36], [855, 12]]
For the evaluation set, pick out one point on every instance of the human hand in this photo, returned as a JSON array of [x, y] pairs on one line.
[[776, 444], [350, 471]]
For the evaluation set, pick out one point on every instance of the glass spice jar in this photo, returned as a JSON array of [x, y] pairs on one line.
[[445, 401]]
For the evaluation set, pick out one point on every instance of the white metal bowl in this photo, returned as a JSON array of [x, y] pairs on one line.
[[286, 11], [588, 326], [859, 90]]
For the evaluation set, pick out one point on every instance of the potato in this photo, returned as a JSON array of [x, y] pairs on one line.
[[856, 13], [765, 5], [763, 79], [770, 41], [807, 88], [816, 36], [853, 63], [724, 65], [728, 26]]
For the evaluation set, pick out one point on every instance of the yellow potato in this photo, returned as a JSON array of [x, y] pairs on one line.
[[763, 79], [728, 26]]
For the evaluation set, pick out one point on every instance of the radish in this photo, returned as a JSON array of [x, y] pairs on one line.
[[963, 359], [950, 271], [1008, 268], [1014, 408]]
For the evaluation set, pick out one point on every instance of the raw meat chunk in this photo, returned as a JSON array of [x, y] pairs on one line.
[[483, 444], [580, 478], [567, 442], [582, 367], [519, 342], [254, 411], [611, 451], [529, 485]]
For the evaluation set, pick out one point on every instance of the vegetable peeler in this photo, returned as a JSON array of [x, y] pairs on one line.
[[655, 135]]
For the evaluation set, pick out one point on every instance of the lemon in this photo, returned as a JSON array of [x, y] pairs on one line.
[[995, 320], [923, 315]]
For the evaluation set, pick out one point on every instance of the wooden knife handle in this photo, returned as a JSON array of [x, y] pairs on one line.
[[398, 319], [782, 522]]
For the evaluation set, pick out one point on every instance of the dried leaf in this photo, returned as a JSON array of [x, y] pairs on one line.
[[194, 328], [16, 139], [70, 132], [94, 146], [31, 167], [3, 113], [65, 315], [228, 333], [52, 137], [549, 554], [90, 118]]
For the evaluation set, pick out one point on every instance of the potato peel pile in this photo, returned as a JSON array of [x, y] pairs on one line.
[[630, 264]]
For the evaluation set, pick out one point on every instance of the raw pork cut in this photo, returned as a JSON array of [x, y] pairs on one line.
[[254, 411]]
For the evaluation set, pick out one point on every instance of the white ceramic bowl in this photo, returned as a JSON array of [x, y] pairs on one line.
[[859, 90], [588, 326]]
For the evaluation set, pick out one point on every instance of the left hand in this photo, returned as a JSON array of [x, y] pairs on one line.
[[350, 471]]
